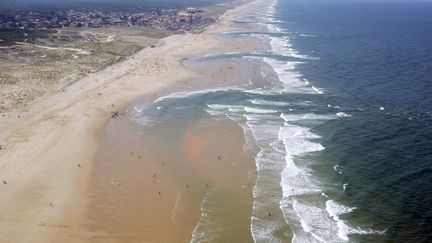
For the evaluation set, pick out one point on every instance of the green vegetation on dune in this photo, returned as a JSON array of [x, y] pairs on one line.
[[10, 37], [60, 58]]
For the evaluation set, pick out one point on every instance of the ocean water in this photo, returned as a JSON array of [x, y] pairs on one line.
[[339, 119]]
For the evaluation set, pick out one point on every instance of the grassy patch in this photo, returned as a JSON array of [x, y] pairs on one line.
[[52, 61], [10, 37]]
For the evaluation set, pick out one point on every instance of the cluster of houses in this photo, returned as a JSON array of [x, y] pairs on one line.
[[162, 18]]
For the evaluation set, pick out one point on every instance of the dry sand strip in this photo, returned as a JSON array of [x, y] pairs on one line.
[[45, 158]]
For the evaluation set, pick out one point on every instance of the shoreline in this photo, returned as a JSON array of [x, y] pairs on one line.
[[51, 146]]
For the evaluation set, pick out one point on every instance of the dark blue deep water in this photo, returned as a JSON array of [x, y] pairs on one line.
[[374, 55]]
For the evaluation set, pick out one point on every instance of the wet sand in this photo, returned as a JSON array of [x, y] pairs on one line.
[[148, 188]]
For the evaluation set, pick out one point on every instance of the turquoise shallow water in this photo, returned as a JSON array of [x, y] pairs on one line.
[[338, 116]]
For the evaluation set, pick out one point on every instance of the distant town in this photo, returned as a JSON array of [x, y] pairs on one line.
[[171, 19]]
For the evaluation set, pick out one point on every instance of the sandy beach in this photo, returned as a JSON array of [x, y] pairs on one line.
[[47, 152]]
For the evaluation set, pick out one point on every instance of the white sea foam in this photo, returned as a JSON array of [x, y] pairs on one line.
[[282, 46], [215, 112], [296, 181], [263, 229], [229, 111], [231, 53], [342, 114], [317, 226], [317, 90], [309, 223], [273, 28], [309, 116], [345, 186], [260, 111], [269, 162], [338, 169], [136, 114], [249, 144], [139, 108], [291, 79], [206, 228], [297, 140], [230, 108], [184, 94], [321, 224], [261, 91], [288, 77], [333, 106], [251, 57], [267, 102], [306, 35], [315, 223], [275, 21], [335, 210]]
